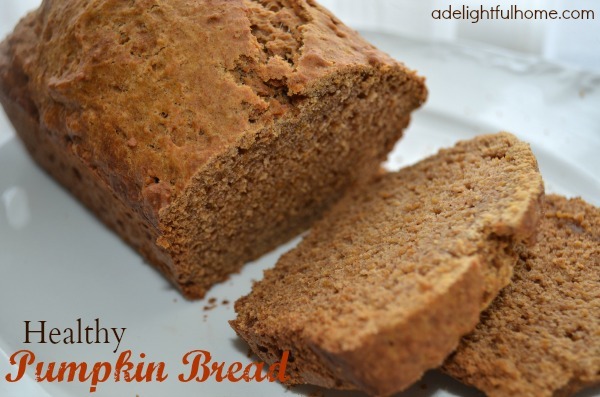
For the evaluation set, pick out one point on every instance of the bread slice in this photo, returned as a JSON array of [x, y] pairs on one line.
[[541, 336], [386, 284], [205, 133]]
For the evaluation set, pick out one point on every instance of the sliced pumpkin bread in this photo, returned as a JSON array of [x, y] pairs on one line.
[[384, 286]]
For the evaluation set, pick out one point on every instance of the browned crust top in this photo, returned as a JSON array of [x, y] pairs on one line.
[[147, 92]]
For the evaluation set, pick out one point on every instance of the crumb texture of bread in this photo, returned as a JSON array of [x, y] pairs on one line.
[[208, 132], [385, 285], [541, 336]]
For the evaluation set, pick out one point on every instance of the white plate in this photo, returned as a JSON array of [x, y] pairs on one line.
[[59, 263]]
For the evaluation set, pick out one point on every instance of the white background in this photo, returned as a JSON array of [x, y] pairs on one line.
[[570, 42]]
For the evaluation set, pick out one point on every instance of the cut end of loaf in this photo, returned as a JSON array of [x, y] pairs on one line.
[[385, 285], [336, 110], [250, 200]]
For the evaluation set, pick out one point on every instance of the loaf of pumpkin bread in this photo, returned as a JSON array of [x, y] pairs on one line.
[[384, 286], [204, 133]]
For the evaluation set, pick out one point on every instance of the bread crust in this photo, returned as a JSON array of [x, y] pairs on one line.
[[182, 110]]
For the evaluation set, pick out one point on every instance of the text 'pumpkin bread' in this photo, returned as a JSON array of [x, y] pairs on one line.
[[541, 336], [386, 284], [204, 132]]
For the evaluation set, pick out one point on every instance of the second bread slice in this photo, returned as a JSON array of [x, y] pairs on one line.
[[383, 288], [541, 336]]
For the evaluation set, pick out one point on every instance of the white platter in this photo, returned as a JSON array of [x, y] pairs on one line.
[[58, 263]]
